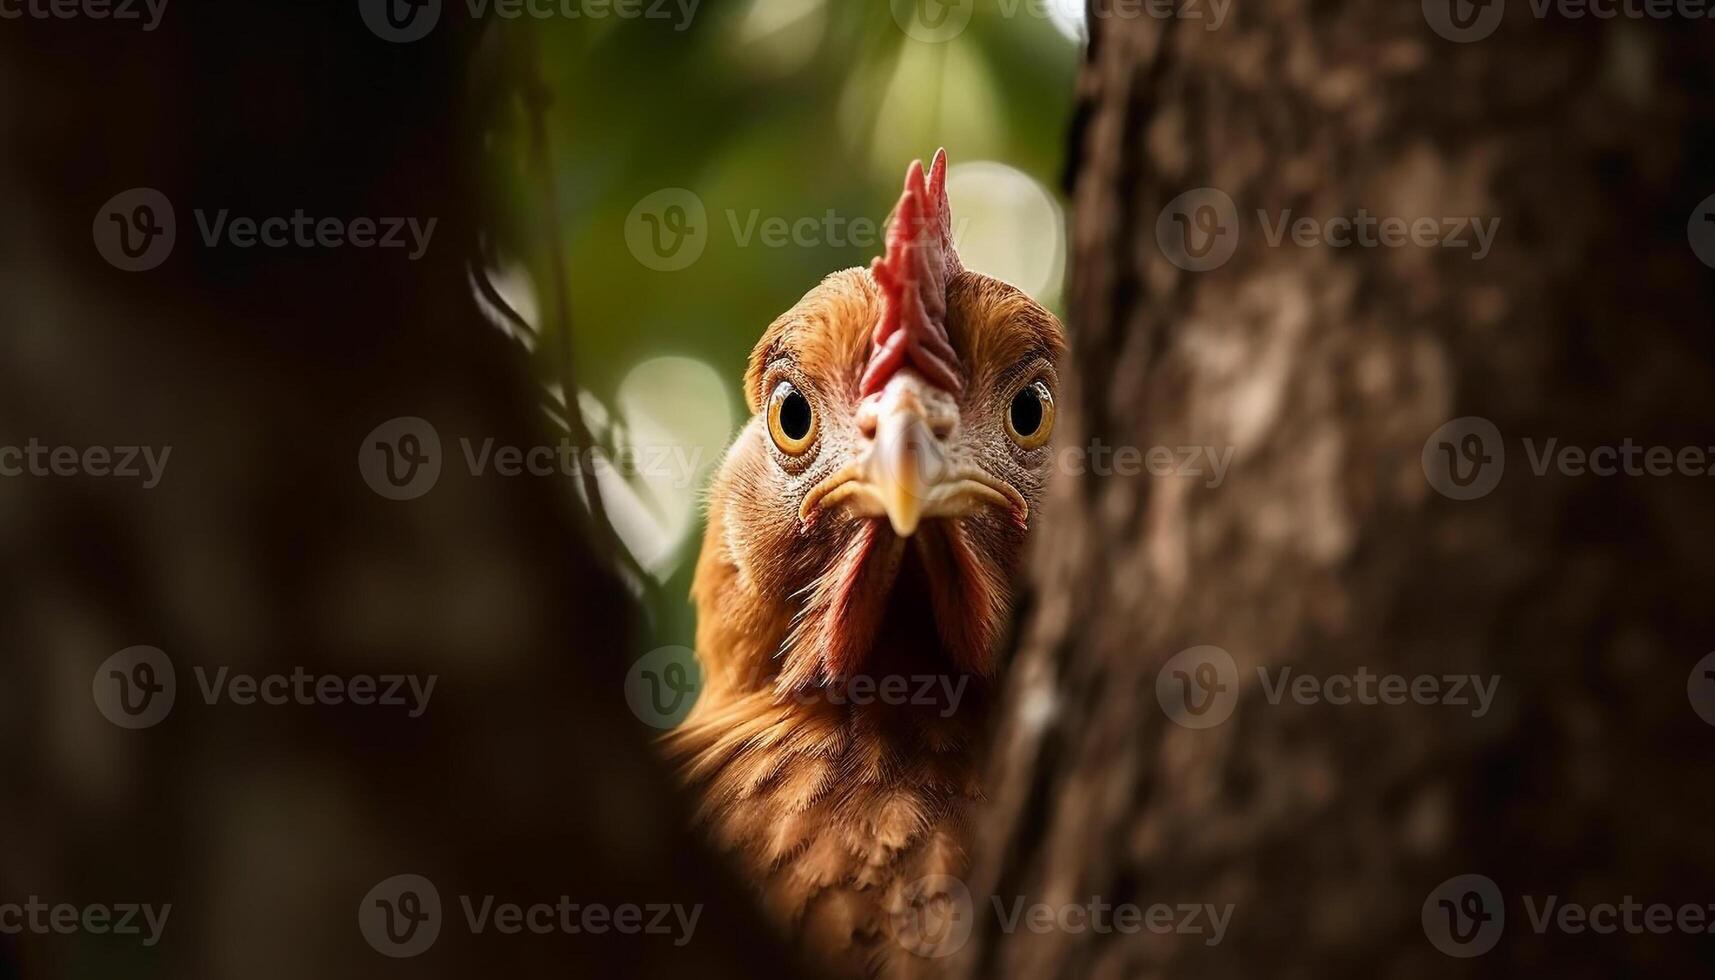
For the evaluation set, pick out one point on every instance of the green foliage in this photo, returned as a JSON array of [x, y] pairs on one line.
[[793, 110]]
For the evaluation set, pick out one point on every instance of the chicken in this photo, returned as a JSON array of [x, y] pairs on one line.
[[862, 534]]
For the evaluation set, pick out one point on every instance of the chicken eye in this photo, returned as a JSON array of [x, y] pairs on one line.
[[791, 419], [1030, 417]]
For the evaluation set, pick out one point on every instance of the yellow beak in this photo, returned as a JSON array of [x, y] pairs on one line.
[[905, 465]]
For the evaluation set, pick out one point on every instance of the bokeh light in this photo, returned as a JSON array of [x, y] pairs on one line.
[[1009, 226], [1068, 17], [676, 417]]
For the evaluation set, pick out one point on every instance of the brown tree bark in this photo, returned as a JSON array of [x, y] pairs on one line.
[[1326, 549]]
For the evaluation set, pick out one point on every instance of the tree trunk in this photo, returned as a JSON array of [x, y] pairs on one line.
[[1339, 540]]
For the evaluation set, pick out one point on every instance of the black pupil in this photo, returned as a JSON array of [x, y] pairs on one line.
[[795, 415], [1027, 411]]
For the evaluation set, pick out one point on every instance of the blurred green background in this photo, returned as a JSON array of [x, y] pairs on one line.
[[763, 142]]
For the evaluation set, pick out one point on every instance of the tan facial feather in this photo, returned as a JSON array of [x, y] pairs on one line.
[[826, 333]]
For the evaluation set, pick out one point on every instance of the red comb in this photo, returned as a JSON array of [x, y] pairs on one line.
[[913, 276]]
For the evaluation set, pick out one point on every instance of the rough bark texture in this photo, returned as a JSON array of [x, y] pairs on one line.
[[1326, 549], [263, 550]]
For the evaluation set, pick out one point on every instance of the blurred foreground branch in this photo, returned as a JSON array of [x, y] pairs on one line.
[[262, 551]]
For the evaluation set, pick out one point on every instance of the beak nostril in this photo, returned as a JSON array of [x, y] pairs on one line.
[[941, 429]]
